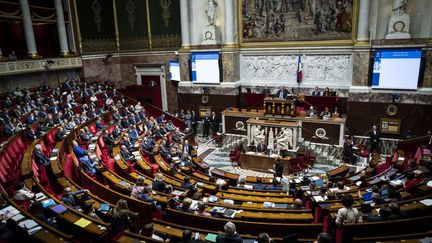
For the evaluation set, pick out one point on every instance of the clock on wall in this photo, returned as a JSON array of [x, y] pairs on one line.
[[399, 26], [391, 110], [208, 35]]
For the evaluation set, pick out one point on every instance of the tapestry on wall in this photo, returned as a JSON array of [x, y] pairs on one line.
[[296, 20]]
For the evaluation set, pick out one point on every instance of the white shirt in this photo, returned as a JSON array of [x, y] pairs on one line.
[[23, 194]]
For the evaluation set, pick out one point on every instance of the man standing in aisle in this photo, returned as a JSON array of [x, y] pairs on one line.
[[374, 138], [214, 123], [206, 125]]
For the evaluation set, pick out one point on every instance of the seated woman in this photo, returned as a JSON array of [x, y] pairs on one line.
[[121, 216], [201, 209], [185, 205], [138, 187]]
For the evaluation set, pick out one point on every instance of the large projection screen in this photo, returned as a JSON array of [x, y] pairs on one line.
[[205, 68], [396, 69]]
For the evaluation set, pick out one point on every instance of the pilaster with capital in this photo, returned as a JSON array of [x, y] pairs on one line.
[[231, 65], [61, 27], [184, 57], [360, 67], [363, 21], [184, 19], [28, 29]]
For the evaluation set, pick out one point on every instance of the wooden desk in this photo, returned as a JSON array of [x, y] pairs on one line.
[[261, 162], [330, 130]]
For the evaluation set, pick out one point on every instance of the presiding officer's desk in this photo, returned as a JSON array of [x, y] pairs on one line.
[[330, 131]]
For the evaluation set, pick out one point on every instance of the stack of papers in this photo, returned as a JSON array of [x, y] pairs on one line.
[[9, 211], [427, 202], [318, 198], [230, 213], [28, 224], [124, 184], [213, 199], [211, 237], [17, 217], [268, 205], [82, 222], [40, 196], [396, 183], [104, 207], [218, 209], [229, 201], [58, 209]]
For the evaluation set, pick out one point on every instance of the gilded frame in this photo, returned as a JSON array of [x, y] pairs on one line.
[[348, 42]]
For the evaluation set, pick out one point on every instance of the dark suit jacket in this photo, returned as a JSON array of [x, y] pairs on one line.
[[223, 238], [284, 92], [261, 148], [374, 137], [40, 158]]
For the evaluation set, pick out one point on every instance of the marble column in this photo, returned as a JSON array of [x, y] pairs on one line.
[[231, 64], [363, 21], [229, 22], [184, 19], [61, 28], [28, 29], [184, 57]]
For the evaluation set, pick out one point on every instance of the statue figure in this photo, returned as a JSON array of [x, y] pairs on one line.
[[399, 7], [211, 12], [270, 138], [258, 134], [285, 139]]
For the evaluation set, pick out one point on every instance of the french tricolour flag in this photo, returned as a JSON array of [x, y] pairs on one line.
[[299, 70]]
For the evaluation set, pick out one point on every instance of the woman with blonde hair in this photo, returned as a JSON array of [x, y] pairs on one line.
[[121, 216], [158, 184]]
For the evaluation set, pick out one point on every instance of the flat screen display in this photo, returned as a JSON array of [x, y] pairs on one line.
[[205, 67], [396, 69], [174, 70]]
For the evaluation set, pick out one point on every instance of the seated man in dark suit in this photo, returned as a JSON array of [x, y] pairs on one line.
[[71, 198], [31, 134], [259, 185], [282, 93], [311, 112], [230, 235], [261, 147], [40, 157], [128, 156], [8, 129], [60, 134], [275, 185], [99, 125]]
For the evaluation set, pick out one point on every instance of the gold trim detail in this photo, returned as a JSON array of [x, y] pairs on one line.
[[78, 30], [165, 4], [130, 9], [261, 44], [66, 54], [34, 55], [116, 29], [148, 24], [97, 18], [98, 45], [38, 65]]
